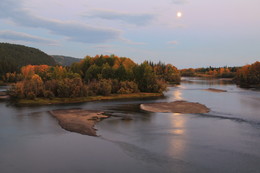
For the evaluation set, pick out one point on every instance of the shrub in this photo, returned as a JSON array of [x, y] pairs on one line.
[[93, 88], [105, 87], [31, 96], [115, 86], [48, 94], [127, 87]]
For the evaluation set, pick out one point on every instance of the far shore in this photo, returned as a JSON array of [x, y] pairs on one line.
[[56, 100]]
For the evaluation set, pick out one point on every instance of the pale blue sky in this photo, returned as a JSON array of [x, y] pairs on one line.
[[215, 33]]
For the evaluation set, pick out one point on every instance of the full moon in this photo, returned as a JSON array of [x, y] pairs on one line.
[[179, 14]]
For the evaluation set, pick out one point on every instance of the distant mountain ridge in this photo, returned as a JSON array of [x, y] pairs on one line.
[[13, 57], [65, 60]]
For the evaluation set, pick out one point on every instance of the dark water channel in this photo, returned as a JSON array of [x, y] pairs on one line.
[[227, 139]]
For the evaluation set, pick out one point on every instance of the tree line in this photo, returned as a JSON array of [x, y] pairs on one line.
[[99, 75], [219, 72], [249, 75], [13, 57]]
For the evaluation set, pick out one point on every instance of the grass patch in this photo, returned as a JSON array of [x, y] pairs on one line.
[[45, 101]]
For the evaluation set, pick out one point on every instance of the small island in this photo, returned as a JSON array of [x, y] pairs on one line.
[[78, 120], [175, 107], [92, 78]]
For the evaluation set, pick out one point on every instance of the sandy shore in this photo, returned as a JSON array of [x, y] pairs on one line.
[[78, 120], [175, 107], [215, 90], [3, 95]]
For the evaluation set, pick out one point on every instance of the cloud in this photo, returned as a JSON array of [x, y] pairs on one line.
[[74, 31], [101, 46], [135, 19], [132, 42], [18, 36], [179, 1], [172, 42]]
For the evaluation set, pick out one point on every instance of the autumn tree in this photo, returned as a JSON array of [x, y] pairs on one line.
[[249, 75]]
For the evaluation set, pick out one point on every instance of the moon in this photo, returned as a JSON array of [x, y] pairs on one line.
[[179, 14]]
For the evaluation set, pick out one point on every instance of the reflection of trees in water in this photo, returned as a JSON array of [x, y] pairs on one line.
[[207, 81]]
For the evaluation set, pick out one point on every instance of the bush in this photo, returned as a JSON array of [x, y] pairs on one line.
[[115, 86], [158, 86], [31, 96], [92, 88], [105, 87], [17, 90], [48, 94], [128, 87], [1, 83]]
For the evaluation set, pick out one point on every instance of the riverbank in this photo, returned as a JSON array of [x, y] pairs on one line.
[[3, 95], [78, 120], [45, 101]]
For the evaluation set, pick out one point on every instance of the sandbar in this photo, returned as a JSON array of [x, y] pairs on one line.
[[175, 107], [3, 95], [215, 90], [78, 120]]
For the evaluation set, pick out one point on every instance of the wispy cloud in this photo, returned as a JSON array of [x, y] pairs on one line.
[[101, 46], [18, 36], [132, 42], [130, 18], [12, 10], [172, 42]]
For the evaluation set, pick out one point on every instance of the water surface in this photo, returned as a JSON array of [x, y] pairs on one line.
[[227, 139]]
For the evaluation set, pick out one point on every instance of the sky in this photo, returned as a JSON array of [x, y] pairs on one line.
[[207, 33]]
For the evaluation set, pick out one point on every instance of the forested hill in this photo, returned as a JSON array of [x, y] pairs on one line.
[[65, 60], [13, 57]]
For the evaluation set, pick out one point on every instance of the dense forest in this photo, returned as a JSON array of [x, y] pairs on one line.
[[249, 75], [219, 72], [13, 57], [99, 75], [36, 74]]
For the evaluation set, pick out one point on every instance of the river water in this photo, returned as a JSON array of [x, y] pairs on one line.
[[227, 139]]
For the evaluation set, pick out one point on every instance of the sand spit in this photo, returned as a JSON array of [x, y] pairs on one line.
[[215, 90], [3, 95], [78, 120], [175, 107]]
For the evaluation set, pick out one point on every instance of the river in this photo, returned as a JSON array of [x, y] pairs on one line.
[[227, 139]]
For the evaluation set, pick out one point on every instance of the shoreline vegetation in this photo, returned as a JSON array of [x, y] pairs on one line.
[[210, 72], [46, 101], [93, 78], [247, 76]]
